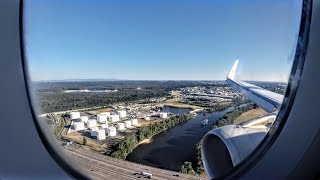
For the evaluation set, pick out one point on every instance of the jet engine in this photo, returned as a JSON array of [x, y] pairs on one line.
[[225, 147]]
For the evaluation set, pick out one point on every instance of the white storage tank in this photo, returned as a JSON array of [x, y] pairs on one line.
[[84, 119], [92, 123], [120, 126], [147, 118], [93, 131], [122, 113], [102, 118], [114, 118], [75, 115], [101, 134], [134, 122], [112, 131], [78, 126], [163, 115], [127, 124], [104, 126]]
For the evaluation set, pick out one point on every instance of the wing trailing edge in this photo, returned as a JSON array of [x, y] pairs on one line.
[[269, 101]]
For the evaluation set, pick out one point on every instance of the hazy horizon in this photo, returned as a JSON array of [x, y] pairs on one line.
[[97, 80]]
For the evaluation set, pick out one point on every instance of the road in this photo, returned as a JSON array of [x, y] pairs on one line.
[[56, 122], [98, 166]]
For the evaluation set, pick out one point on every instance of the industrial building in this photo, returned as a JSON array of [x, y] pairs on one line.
[[122, 113], [78, 126], [163, 115], [114, 118], [92, 123], [112, 131], [75, 115]]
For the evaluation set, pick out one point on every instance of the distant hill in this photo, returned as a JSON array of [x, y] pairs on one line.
[[82, 80]]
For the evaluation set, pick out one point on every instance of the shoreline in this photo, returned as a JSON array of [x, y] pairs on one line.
[[146, 141]]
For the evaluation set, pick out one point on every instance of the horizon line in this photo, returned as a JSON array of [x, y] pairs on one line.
[[92, 80]]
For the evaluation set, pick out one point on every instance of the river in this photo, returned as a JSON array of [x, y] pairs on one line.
[[170, 148]]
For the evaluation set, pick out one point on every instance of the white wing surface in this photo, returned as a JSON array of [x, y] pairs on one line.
[[269, 101]]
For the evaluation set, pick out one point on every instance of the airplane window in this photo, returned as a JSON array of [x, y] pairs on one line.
[[165, 89]]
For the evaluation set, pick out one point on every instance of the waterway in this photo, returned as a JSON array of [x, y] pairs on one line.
[[176, 110], [170, 148]]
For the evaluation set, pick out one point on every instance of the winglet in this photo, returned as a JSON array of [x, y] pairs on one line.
[[232, 73]]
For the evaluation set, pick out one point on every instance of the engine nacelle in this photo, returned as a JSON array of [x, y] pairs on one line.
[[225, 147]]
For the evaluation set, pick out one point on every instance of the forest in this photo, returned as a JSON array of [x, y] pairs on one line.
[[228, 118], [50, 96]]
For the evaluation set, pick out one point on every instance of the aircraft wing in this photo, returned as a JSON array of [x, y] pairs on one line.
[[269, 101]]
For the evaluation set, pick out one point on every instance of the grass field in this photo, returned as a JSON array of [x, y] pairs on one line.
[[249, 115], [101, 110]]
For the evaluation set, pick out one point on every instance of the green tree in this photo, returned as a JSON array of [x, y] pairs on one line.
[[84, 141], [187, 168]]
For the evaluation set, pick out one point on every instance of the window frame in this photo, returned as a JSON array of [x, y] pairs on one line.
[[257, 154]]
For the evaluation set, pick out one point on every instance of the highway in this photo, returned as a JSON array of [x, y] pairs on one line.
[[98, 166]]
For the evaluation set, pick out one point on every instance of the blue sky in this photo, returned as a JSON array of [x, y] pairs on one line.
[[160, 39]]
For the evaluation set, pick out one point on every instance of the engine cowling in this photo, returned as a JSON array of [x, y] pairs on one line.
[[225, 147]]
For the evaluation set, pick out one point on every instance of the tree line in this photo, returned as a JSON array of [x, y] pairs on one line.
[[60, 101], [218, 107], [229, 118]]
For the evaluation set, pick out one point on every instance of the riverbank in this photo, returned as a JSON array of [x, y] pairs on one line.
[[146, 141]]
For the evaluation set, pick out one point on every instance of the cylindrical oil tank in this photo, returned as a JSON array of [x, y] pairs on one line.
[[101, 134], [122, 113], [93, 131], [127, 124], [92, 123], [112, 131], [102, 118], [120, 126], [134, 122], [75, 115], [84, 119], [114, 118], [78, 126], [163, 115], [104, 126]]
